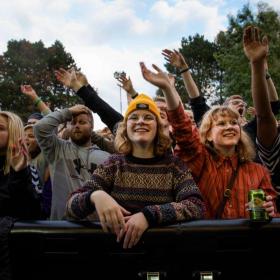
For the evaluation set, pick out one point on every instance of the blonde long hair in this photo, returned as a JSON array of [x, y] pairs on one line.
[[15, 132], [245, 147], [123, 145]]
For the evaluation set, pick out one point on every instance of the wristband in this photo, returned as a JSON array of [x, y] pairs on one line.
[[37, 101], [134, 95], [184, 70]]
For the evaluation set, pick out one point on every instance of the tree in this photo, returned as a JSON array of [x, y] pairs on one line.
[[34, 64], [230, 55], [199, 54]]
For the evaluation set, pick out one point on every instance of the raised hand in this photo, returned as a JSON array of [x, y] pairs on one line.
[[175, 58], [159, 78], [67, 78], [28, 91], [19, 156], [79, 109], [126, 84], [254, 48]]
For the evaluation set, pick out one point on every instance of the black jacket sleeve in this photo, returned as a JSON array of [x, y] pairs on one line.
[[107, 114], [25, 203], [275, 106], [199, 108]]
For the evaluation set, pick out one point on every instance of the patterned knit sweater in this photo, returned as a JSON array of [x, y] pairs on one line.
[[162, 188]]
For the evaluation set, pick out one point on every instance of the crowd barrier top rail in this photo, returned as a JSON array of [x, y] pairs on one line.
[[211, 226], [223, 248]]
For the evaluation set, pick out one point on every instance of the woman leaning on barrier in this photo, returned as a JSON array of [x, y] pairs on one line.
[[142, 186]]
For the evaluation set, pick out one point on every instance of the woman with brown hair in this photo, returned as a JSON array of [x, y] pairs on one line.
[[142, 186], [219, 156]]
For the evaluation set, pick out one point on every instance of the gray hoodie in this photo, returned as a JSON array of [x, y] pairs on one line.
[[70, 165]]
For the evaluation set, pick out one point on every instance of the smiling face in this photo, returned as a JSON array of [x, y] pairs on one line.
[[142, 128], [225, 133]]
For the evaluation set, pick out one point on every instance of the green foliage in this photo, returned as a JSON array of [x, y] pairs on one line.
[[199, 54], [220, 68], [231, 58], [34, 64]]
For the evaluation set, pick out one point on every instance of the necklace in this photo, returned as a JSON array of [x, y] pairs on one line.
[[79, 162]]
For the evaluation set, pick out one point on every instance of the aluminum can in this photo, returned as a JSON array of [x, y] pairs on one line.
[[256, 198]]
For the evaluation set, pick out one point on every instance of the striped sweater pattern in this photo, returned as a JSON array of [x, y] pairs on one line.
[[162, 188]]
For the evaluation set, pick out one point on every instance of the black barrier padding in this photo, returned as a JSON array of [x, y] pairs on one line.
[[231, 249]]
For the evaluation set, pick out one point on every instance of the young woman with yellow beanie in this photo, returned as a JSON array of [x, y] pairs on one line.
[[143, 185]]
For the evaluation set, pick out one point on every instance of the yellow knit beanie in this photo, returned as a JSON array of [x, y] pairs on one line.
[[142, 102]]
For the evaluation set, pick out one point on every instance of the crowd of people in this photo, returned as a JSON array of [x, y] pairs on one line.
[[158, 164]]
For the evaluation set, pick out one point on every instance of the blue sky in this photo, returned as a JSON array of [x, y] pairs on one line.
[[104, 36]]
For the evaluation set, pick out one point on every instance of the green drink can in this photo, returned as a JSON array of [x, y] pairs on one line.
[[256, 198]]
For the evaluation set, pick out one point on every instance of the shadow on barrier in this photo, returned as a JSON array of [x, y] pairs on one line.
[[204, 250]]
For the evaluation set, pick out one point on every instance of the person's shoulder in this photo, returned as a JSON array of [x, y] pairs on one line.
[[96, 149], [115, 159], [256, 166], [176, 161]]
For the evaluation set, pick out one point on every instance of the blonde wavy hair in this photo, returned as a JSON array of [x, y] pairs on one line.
[[245, 147], [15, 132], [123, 145]]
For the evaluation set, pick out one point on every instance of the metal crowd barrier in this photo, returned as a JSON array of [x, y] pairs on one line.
[[204, 250]]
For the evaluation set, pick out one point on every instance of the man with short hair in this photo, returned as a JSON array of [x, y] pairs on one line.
[[71, 162], [237, 103]]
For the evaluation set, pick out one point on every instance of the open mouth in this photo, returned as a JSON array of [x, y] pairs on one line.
[[240, 111]]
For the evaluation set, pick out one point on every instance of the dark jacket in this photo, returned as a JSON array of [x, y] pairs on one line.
[[107, 114], [18, 199]]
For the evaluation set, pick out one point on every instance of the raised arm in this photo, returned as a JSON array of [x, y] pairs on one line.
[[188, 144], [161, 80], [107, 114], [177, 60], [44, 131], [37, 101], [256, 51], [272, 92], [126, 84], [197, 102]]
